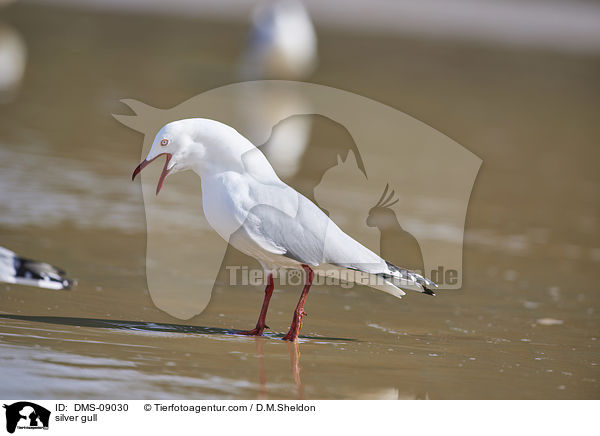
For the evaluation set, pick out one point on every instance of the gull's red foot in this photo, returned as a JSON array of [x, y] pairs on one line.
[[256, 331], [292, 335], [295, 328]]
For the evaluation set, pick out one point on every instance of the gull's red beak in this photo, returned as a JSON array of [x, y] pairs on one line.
[[147, 162]]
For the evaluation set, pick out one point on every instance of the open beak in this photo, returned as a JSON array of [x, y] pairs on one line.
[[147, 162]]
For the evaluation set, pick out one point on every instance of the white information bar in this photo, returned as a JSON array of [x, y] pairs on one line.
[[265, 417]]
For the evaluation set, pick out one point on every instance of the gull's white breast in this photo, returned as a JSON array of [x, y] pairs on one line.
[[228, 199]]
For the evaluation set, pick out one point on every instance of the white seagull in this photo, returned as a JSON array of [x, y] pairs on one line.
[[282, 42], [250, 207], [21, 271]]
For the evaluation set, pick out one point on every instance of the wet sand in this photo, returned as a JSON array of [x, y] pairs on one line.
[[532, 245]]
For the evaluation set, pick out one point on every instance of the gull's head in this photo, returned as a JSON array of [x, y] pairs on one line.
[[195, 143]]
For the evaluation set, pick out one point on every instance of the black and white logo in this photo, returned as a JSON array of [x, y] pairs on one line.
[[26, 415]]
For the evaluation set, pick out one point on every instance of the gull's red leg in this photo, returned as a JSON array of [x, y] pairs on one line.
[[261, 324], [299, 313]]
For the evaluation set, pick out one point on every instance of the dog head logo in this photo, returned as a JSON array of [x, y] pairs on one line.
[[24, 414]]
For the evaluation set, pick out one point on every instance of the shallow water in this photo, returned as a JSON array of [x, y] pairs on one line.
[[524, 325]]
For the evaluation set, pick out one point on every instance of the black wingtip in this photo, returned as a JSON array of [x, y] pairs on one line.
[[428, 292]]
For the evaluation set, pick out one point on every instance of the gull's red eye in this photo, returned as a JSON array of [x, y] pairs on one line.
[[164, 142]]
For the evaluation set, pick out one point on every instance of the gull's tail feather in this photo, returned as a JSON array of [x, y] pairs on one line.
[[404, 278], [340, 272]]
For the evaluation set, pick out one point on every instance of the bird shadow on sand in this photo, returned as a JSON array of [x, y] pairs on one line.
[[150, 326]]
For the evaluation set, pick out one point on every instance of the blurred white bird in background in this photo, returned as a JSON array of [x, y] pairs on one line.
[[282, 44], [13, 57], [21, 271]]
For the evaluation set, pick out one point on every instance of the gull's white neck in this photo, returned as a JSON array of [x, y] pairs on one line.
[[231, 153], [224, 150]]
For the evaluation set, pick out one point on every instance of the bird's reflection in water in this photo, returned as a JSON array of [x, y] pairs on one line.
[[262, 375], [372, 393], [294, 353]]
